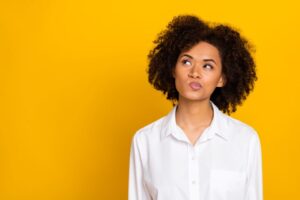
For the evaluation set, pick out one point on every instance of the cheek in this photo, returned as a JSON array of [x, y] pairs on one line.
[[180, 73], [179, 85], [180, 79], [213, 81]]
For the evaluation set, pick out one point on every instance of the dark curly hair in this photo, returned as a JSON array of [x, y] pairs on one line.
[[185, 31]]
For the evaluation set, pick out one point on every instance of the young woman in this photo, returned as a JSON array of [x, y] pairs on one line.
[[197, 151]]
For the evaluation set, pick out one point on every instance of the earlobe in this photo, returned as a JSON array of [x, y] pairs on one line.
[[222, 81], [173, 73]]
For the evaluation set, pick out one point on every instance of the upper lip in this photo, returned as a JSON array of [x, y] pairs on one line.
[[195, 82]]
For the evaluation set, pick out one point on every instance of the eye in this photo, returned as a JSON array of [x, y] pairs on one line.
[[186, 61], [208, 66]]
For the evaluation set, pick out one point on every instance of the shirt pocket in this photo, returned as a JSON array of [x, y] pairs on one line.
[[227, 184]]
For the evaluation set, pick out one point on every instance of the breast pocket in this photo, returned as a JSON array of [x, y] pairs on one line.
[[227, 184]]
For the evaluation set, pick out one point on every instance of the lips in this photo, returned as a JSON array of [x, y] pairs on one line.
[[195, 85]]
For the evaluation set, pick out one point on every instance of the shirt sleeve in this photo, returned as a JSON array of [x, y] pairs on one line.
[[136, 189], [254, 190]]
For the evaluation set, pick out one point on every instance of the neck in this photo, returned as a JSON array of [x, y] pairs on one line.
[[194, 114]]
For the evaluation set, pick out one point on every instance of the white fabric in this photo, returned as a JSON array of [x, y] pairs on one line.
[[224, 164]]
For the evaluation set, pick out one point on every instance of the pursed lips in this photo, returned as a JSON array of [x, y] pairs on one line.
[[195, 85]]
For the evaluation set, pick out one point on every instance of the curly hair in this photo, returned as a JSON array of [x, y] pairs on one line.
[[185, 31]]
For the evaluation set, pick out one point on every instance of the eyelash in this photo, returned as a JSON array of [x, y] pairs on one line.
[[183, 61], [209, 66]]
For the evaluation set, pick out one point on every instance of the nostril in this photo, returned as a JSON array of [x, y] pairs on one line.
[[194, 74]]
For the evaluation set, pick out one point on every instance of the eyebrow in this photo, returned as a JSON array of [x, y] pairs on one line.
[[212, 60]]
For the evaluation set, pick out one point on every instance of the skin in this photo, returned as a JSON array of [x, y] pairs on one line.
[[202, 64]]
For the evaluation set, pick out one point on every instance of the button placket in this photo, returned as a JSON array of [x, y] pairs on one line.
[[193, 168]]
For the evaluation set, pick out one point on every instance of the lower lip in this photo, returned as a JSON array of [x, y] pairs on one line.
[[195, 86]]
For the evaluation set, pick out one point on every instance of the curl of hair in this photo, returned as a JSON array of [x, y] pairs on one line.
[[185, 31]]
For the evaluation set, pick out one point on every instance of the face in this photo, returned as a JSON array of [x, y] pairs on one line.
[[198, 72]]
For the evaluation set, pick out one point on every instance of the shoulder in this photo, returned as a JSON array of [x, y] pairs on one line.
[[149, 131], [238, 124], [237, 128]]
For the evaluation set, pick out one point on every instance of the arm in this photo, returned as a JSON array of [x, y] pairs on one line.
[[254, 190], [136, 189]]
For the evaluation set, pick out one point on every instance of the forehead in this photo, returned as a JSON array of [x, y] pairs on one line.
[[203, 50]]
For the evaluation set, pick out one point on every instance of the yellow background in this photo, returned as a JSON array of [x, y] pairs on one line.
[[73, 91]]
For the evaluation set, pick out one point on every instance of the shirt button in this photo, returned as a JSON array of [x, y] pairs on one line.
[[193, 182], [193, 158]]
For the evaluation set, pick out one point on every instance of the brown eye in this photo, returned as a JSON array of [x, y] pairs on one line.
[[208, 66], [185, 61]]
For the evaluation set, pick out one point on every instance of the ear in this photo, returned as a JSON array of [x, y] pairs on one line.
[[173, 73], [222, 81]]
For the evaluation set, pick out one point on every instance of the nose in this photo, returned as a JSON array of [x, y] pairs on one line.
[[194, 73]]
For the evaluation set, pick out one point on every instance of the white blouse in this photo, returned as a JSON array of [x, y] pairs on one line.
[[224, 164]]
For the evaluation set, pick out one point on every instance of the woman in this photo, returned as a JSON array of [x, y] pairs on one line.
[[197, 151]]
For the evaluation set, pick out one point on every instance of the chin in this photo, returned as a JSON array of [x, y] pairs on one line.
[[193, 97]]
